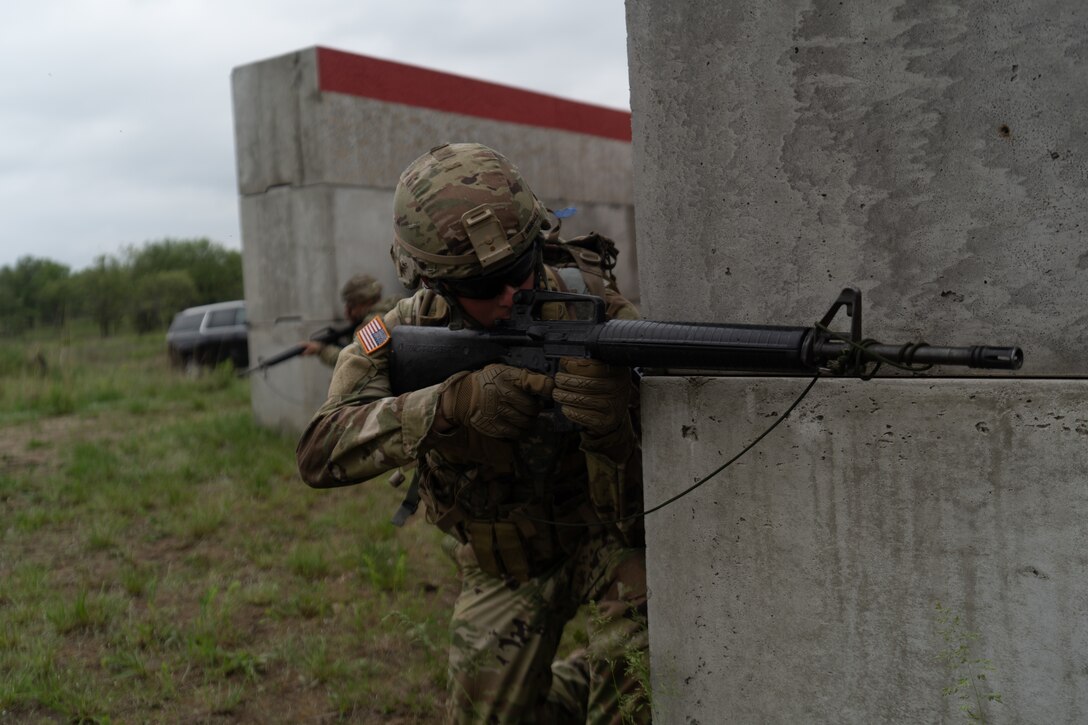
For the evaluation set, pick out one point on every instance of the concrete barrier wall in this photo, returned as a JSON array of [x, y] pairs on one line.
[[930, 154], [321, 138]]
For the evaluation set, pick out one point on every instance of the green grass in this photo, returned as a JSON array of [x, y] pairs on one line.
[[163, 563]]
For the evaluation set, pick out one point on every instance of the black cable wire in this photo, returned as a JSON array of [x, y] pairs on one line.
[[697, 484], [732, 460]]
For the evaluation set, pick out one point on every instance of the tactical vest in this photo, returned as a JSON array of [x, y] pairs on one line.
[[498, 496]]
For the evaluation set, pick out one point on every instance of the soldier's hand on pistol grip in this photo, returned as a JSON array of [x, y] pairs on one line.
[[593, 394], [499, 401]]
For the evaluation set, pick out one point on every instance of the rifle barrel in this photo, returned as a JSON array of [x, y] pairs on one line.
[[276, 359], [972, 356]]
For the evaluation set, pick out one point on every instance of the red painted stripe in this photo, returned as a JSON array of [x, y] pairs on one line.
[[384, 80]]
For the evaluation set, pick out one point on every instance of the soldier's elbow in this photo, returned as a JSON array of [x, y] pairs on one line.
[[314, 477], [324, 476], [314, 469]]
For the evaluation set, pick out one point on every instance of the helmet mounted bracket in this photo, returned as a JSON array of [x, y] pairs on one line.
[[485, 233]]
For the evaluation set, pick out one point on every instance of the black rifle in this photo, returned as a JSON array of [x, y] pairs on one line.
[[423, 356], [340, 334]]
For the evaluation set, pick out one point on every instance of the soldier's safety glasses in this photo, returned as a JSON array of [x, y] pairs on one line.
[[492, 284]]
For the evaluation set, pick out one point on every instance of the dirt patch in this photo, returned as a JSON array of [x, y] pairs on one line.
[[33, 445]]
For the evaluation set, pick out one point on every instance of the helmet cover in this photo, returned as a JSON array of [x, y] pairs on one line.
[[461, 210], [360, 289]]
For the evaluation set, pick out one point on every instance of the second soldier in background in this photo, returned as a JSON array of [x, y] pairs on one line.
[[362, 297]]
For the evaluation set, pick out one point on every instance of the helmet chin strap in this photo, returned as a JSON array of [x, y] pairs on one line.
[[458, 315], [540, 280]]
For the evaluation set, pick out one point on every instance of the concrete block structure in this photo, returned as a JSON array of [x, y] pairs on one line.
[[321, 138], [931, 154]]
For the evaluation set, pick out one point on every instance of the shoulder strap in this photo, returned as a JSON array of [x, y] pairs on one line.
[[410, 503], [592, 254], [431, 309]]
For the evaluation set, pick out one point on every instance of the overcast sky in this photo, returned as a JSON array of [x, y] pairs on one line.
[[115, 115]]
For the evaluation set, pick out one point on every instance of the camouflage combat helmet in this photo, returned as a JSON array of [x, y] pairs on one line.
[[360, 289], [460, 211]]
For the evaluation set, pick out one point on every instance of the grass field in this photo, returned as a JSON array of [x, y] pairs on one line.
[[160, 560]]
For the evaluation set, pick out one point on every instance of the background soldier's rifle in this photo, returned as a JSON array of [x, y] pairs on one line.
[[334, 334], [423, 356]]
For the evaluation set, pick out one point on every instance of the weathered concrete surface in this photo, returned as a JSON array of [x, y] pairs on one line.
[[812, 568], [289, 132], [316, 173], [932, 154], [929, 153]]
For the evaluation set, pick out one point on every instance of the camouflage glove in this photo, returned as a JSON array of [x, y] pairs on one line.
[[593, 394], [499, 401]]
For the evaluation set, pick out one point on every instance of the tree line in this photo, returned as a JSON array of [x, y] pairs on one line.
[[142, 287]]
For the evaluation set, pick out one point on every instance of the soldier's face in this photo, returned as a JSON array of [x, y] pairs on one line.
[[490, 311]]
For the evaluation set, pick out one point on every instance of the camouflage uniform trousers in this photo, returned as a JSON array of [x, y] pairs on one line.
[[504, 637]]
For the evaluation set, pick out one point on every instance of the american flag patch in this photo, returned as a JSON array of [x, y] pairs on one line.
[[373, 335]]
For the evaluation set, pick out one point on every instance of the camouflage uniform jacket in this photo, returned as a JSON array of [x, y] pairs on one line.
[[494, 494], [329, 353]]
